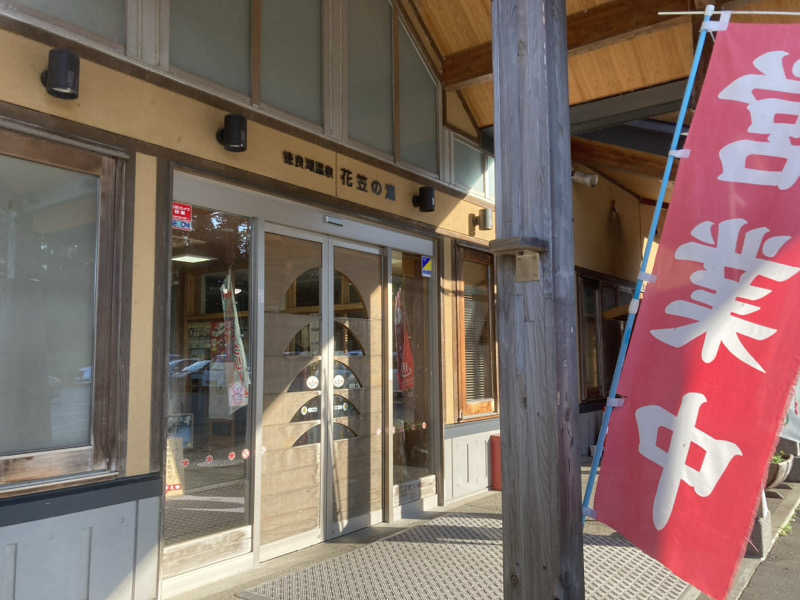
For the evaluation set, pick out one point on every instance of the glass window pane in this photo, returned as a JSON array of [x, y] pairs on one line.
[[467, 167], [370, 96], [105, 18], [477, 332], [212, 39], [413, 385], [590, 354], [417, 131], [291, 57], [208, 430], [48, 243]]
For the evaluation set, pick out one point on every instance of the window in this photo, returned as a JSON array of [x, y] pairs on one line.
[[417, 105], [602, 307], [370, 73], [58, 223], [103, 19], [473, 169], [291, 57], [211, 39], [476, 335]]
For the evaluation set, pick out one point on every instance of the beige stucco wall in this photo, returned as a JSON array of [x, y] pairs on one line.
[[608, 234], [143, 292]]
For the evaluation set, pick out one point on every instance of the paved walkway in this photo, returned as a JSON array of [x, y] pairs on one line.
[[460, 555]]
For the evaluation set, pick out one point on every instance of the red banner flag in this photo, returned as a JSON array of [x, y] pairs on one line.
[[716, 346]]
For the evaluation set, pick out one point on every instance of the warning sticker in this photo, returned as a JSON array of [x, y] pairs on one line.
[[427, 266]]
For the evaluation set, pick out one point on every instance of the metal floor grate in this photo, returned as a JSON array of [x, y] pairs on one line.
[[461, 556]]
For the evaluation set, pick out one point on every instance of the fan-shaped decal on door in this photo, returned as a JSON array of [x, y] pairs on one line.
[[303, 296], [309, 378], [306, 341], [342, 407], [340, 432]]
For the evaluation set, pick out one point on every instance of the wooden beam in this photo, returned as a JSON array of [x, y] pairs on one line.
[[599, 155], [616, 18], [586, 28], [542, 525], [468, 67]]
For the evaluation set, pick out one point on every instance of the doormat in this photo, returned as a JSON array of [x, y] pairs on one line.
[[460, 555]]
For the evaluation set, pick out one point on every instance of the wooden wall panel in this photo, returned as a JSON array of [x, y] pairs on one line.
[[457, 24]]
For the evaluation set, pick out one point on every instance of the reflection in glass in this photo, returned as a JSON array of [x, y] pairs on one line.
[[309, 378], [48, 243], [303, 295], [208, 441], [477, 332], [306, 341], [413, 392]]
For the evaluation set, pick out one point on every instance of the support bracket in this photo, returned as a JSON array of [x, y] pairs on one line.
[[527, 251]]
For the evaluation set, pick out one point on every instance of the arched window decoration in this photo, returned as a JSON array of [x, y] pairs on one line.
[[340, 432], [309, 378], [308, 412], [342, 407], [306, 341], [303, 296]]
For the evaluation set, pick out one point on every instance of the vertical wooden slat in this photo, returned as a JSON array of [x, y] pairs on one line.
[[255, 52], [542, 536]]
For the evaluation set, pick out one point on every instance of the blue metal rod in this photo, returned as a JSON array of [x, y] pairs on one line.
[[626, 338]]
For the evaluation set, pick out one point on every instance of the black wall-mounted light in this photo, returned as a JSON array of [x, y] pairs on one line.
[[63, 74], [233, 135], [425, 200]]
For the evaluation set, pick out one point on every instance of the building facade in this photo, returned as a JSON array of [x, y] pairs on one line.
[[215, 355]]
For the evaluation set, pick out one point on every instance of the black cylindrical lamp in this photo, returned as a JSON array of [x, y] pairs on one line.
[[63, 74], [425, 200], [233, 136]]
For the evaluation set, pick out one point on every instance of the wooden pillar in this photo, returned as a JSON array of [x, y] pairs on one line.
[[542, 532]]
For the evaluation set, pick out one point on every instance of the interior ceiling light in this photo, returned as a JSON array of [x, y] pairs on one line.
[[191, 258]]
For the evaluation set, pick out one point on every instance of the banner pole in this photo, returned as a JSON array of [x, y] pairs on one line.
[[626, 338]]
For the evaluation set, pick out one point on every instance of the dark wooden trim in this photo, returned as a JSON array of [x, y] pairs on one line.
[[54, 503], [467, 67], [54, 154], [255, 51], [164, 81], [161, 304], [584, 272]]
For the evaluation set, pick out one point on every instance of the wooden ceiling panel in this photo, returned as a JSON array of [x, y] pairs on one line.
[[480, 101], [456, 25], [663, 54], [576, 6]]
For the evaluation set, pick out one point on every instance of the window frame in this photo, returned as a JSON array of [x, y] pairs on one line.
[[103, 456], [589, 404], [457, 138], [490, 407]]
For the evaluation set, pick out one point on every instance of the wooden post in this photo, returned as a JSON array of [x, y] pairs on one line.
[[542, 532]]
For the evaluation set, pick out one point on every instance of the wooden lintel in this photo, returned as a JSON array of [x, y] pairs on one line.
[[468, 67], [597, 154]]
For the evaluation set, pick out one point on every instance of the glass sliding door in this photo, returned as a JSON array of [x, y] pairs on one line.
[[291, 492], [322, 471], [208, 448], [357, 473]]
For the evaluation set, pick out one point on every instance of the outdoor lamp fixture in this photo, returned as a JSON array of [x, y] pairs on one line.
[[587, 179], [424, 199], [62, 74], [233, 136], [484, 220]]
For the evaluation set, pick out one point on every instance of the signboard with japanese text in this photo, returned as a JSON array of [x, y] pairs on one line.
[[181, 216], [716, 347]]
